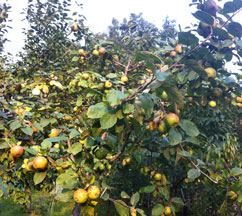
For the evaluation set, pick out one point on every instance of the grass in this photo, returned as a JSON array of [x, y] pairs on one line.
[[9, 208]]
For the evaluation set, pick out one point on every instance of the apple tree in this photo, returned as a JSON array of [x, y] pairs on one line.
[[150, 132]]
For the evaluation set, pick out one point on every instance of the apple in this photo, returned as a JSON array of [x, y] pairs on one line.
[[54, 132], [211, 72], [100, 86], [108, 84], [210, 7], [173, 53], [19, 110], [101, 50], [40, 162], [124, 79], [212, 104], [17, 151], [157, 177], [95, 52], [74, 27], [80, 196], [171, 120], [162, 128], [217, 92], [128, 160], [34, 129], [85, 76], [93, 192], [167, 210], [178, 48], [81, 52]]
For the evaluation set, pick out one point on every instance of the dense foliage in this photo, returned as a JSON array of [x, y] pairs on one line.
[[152, 129]]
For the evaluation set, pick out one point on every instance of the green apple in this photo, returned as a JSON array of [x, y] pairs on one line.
[[172, 120]]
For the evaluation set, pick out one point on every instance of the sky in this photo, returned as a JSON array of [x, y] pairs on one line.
[[99, 15]]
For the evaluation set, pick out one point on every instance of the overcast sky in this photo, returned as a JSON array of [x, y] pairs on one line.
[[99, 15]]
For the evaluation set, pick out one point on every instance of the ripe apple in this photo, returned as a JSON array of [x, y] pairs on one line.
[[19, 110], [210, 7], [239, 105], [108, 84], [54, 132], [211, 72], [172, 120], [74, 27], [34, 129], [124, 162], [81, 52], [212, 104], [17, 151], [102, 50], [95, 52], [178, 48], [80, 196], [40, 162], [124, 79], [173, 53], [128, 160], [93, 192], [157, 177], [85, 76], [167, 210], [162, 127]]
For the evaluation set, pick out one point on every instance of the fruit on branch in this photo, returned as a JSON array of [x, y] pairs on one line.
[[157, 177], [124, 79], [93, 192], [162, 128], [101, 153], [74, 27], [164, 96], [95, 52], [54, 132], [81, 52], [19, 110], [80, 196], [210, 7], [85, 76], [167, 210], [178, 48], [172, 120], [211, 72], [108, 84], [40, 162], [173, 53], [212, 104], [217, 92], [17, 151], [101, 50]]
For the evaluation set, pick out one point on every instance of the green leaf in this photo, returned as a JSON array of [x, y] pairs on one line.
[[182, 77], [124, 195], [136, 125], [39, 177], [185, 154], [193, 174], [148, 106], [27, 130], [15, 125], [79, 101], [75, 59], [236, 171], [74, 133], [235, 29], [141, 212], [158, 210], [83, 83], [111, 75], [223, 207], [161, 76], [121, 207], [189, 127], [97, 110], [75, 148], [115, 97], [204, 17], [240, 198], [148, 189], [174, 137], [108, 120], [193, 140], [128, 108], [45, 122], [135, 199], [177, 200], [46, 144], [64, 197], [165, 193], [57, 139], [187, 38], [145, 55], [3, 144]]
